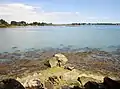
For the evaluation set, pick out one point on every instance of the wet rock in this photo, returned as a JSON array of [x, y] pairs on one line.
[[10, 84], [91, 85], [111, 84]]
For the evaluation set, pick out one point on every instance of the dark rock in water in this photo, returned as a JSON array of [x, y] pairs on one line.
[[10, 84], [111, 84], [91, 85]]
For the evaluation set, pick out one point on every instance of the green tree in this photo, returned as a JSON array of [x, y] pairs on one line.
[[22, 23], [3, 22], [14, 23]]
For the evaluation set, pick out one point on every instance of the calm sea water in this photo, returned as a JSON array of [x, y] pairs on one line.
[[51, 36]]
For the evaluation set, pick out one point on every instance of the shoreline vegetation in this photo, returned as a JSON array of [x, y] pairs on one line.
[[5, 24]]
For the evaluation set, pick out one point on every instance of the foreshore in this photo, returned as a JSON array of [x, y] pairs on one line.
[[91, 65]]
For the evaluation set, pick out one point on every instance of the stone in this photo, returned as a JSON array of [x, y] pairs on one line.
[[69, 68], [70, 75], [111, 84], [31, 80], [49, 85], [53, 62], [58, 60], [54, 79], [80, 81], [33, 83], [76, 87], [34, 87], [10, 84], [65, 87], [61, 59], [91, 85]]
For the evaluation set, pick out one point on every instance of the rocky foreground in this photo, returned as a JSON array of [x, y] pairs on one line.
[[69, 70], [14, 84]]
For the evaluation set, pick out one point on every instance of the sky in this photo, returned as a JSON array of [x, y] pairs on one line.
[[60, 11]]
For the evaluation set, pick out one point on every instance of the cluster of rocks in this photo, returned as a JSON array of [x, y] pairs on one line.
[[14, 84]]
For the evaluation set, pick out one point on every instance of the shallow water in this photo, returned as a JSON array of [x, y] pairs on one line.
[[105, 37]]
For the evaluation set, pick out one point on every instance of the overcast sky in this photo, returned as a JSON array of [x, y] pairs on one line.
[[60, 11]]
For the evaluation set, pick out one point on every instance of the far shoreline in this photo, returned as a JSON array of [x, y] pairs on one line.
[[54, 26], [14, 24]]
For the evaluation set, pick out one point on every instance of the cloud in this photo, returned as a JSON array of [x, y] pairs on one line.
[[19, 11]]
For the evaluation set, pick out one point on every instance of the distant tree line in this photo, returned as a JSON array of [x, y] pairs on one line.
[[21, 23], [95, 23], [4, 23]]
